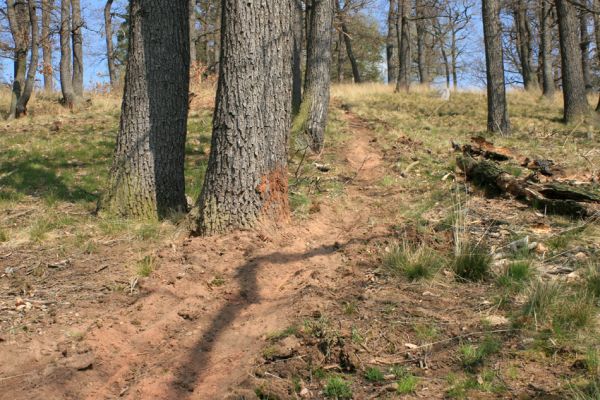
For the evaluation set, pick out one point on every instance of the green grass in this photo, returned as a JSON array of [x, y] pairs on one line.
[[289, 331], [472, 356], [374, 374], [574, 312], [516, 275], [472, 263], [541, 299], [414, 263], [145, 266], [592, 280], [407, 384], [337, 388]]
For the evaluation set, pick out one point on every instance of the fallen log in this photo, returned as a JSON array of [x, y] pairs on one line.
[[551, 198]]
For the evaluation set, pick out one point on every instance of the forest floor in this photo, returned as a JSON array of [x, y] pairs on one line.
[[357, 297]]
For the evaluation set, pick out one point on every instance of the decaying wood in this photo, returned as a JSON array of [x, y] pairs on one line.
[[553, 198]]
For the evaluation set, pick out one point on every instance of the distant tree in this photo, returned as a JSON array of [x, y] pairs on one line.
[[318, 74], [494, 60], [246, 178], [404, 57], [147, 174], [391, 43], [345, 34], [77, 35], [110, 51], [33, 62], [524, 39], [47, 45], [546, 23], [193, 31], [574, 94], [584, 43], [66, 70]]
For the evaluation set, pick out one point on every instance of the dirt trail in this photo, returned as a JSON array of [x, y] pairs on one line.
[[201, 319]]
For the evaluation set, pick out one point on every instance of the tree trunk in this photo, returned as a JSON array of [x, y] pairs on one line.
[[340, 57], [110, 53], [494, 60], [147, 176], [575, 100], [421, 22], [391, 44], [66, 79], [546, 48], [33, 62], [584, 44], [524, 45], [77, 25], [404, 62], [18, 22], [596, 4], [454, 60], [348, 43], [47, 7], [193, 34], [246, 179], [298, 27], [316, 85]]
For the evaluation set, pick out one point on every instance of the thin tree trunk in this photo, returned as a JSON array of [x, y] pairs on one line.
[[47, 69], [66, 78], [494, 60], [298, 27], [318, 78], [596, 4], [403, 82], [348, 44], [391, 44], [546, 48], [454, 60], [575, 100], [33, 62], [193, 33], [19, 27], [524, 45], [110, 53], [585, 48], [77, 25], [340, 57], [246, 179], [147, 176], [424, 78]]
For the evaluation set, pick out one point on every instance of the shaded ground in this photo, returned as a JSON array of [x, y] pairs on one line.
[[282, 312]]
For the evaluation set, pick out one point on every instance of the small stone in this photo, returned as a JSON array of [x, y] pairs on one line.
[[581, 256], [305, 393], [541, 248]]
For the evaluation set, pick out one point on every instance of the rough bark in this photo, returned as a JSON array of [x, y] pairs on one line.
[[298, 27], [33, 61], [348, 43], [524, 45], [574, 95], [597, 37], [318, 78], [46, 40], [546, 20], [193, 34], [391, 44], [76, 31], [584, 44], [341, 57], [246, 178], [421, 23], [497, 120], [147, 179], [403, 27], [66, 79], [110, 52], [17, 14]]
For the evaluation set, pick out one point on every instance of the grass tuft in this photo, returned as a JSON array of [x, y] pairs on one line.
[[472, 263], [337, 388], [414, 263], [145, 266], [374, 374]]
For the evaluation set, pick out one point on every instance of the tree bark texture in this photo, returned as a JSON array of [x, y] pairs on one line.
[[147, 176], [66, 70], [391, 46], [110, 52], [524, 46], [574, 95], [46, 41], [584, 44], [298, 29], [494, 60], [33, 61], [193, 33], [318, 75], [77, 28], [596, 4], [404, 58], [546, 21], [421, 24], [246, 178], [18, 19]]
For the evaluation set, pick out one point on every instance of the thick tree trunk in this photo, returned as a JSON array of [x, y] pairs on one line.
[[584, 44], [348, 43], [575, 100], [193, 33], [66, 79], [392, 43], [110, 53], [147, 179], [318, 78], [298, 28], [46, 39], [33, 62], [17, 14], [494, 60], [404, 61], [77, 27], [524, 44], [546, 20], [246, 179]]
